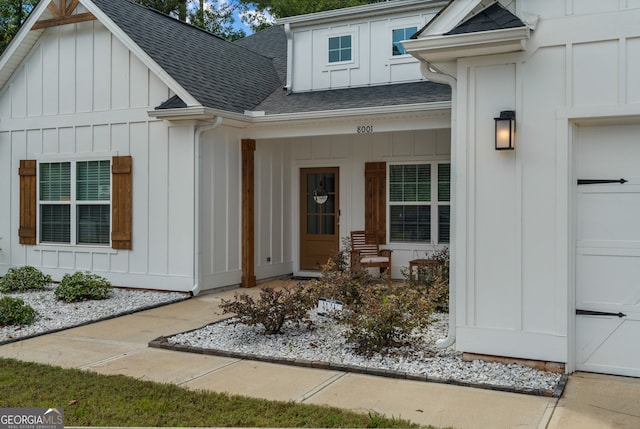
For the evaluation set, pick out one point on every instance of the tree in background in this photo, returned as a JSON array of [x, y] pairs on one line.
[[12, 14], [216, 16], [284, 8]]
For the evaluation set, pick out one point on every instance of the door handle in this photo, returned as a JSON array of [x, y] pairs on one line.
[[599, 313]]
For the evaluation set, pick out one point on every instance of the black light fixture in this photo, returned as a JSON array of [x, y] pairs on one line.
[[506, 130]]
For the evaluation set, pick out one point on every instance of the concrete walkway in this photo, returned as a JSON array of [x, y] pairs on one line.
[[119, 346]]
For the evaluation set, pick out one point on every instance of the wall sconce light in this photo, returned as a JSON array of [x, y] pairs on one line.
[[506, 130]]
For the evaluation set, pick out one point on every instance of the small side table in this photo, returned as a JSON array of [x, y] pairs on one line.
[[430, 263]]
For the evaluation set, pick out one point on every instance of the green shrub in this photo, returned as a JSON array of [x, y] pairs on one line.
[[273, 308], [435, 281], [390, 316], [23, 279], [343, 285], [82, 286], [13, 311]]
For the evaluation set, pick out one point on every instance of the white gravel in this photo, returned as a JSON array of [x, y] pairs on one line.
[[326, 344], [54, 315]]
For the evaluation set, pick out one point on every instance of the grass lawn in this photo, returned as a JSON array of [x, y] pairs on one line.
[[90, 399]]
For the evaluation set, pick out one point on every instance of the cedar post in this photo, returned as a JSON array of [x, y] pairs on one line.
[[248, 198]]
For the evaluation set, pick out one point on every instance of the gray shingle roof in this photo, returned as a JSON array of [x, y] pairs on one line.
[[495, 17], [248, 74], [352, 98], [270, 42], [217, 73]]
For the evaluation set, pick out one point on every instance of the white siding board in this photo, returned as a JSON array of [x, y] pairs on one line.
[[67, 67], [50, 82], [84, 66], [496, 283], [181, 201], [546, 76], [119, 75], [139, 83], [34, 142], [6, 183], [82, 261], [633, 70], [101, 68], [120, 138], [83, 139], [19, 94], [381, 146], [34, 77], [67, 141], [158, 91], [50, 141], [158, 198], [101, 138], [138, 257], [595, 82]]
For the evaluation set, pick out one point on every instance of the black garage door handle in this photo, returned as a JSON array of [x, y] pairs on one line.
[[599, 181], [598, 313]]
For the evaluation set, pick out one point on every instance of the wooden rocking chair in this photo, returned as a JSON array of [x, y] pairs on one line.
[[366, 252]]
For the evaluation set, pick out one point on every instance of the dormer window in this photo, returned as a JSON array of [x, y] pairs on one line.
[[340, 49], [400, 34]]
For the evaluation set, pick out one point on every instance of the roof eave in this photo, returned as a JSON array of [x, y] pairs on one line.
[[452, 47], [341, 113], [361, 12]]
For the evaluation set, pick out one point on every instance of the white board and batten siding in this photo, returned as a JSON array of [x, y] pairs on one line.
[[372, 61], [81, 94], [349, 153], [518, 279]]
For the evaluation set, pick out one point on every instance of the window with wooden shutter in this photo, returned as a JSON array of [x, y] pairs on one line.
[[419, 202], [28, 202], [121, 202], [375, 201]]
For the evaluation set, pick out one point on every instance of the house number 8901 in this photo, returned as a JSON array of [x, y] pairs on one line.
[[365, 129]]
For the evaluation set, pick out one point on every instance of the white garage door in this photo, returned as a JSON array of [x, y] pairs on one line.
[[608, 249]]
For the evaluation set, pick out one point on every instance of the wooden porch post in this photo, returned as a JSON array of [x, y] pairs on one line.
[[248, 198]]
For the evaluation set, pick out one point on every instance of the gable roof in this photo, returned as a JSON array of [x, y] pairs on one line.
[[217, 73], [495, 17]]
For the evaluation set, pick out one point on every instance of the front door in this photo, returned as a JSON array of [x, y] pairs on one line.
[[608, 250], [319, 216]]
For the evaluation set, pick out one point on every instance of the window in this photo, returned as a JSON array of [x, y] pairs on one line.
[[419, 202], [398, 36], [75, 202], [340, 49]]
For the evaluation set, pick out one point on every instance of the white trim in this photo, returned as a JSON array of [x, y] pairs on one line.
[[446, 48], [361, 12], [347, 64]]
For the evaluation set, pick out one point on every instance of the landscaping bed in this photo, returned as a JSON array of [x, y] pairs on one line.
[[325, 347]]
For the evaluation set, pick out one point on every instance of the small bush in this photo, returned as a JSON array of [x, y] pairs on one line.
[[273, 308], [82, 286], [23, 279], [390, 316], [13, 311], [343, 285], [435, 281]]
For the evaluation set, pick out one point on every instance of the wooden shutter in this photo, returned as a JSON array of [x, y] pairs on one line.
[[28, 202], [121, 202], [375, 200]]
